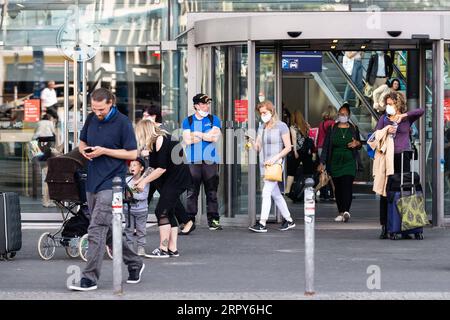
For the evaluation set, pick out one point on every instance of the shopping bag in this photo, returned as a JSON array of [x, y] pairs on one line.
[[412, 210]]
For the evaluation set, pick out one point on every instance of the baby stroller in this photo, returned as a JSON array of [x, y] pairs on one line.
[[66, 180]]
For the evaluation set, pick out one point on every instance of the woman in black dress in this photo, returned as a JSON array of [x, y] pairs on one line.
[[171, 176]]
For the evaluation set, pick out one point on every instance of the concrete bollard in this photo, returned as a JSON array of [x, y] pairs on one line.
[[310, 212], [117, 212]]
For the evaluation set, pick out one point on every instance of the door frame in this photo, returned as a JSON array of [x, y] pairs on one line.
[[206, 29]]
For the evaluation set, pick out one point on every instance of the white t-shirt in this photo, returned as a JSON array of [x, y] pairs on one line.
[[48, 97]]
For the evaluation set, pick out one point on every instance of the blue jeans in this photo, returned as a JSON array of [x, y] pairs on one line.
[[357, 78]]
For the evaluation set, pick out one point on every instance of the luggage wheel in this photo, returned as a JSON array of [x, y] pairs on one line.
[[418, 236], [395, 236]]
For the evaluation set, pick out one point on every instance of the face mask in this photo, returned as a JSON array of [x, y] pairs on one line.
[[203, 113], [266, 118], [343, 119], [390, 110]]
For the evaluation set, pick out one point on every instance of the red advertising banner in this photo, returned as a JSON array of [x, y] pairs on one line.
[[240, 110], [32, 110], [447, 109]]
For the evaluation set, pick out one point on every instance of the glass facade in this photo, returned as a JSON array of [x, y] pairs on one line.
[[130, 62], [447, 127]]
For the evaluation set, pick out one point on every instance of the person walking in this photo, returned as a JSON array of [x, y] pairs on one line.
[[200, 133], [302, 150], [273, 143], [136, 222], [340, 156], [107, 140], [172, 178], [400, 121], [328, 120], [379, 70]]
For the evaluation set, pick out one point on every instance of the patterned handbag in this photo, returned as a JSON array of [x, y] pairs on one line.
[[412, 210]]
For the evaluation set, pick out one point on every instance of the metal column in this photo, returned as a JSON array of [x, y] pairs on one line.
[[75, 100], [84, 92], [438, 137], [251, 127], [65, 126]]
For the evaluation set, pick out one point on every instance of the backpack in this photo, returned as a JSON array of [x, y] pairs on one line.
[[191, 119]]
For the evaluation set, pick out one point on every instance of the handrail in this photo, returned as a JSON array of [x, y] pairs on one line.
[[353, 86]]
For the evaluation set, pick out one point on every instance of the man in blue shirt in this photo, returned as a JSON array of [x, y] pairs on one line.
[[107, 140], [201, 131]]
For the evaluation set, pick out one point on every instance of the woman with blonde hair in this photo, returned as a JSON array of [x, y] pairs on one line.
[[302, 149], [273, 143], [171, 176]]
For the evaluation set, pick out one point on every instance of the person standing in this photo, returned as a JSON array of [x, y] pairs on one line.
[[138, 210], [383, 90], [379, 70], [400, 121], [273, 143], [340, 156], [200, 133], [107, 140], [356, 73], [48, 96], [172, 178]]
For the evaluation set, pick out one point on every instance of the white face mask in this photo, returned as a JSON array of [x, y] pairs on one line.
[[390, 110], [203, 113], [343, 119], [266, 117]]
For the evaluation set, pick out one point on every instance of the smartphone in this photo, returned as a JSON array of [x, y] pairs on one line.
[[88, 150]]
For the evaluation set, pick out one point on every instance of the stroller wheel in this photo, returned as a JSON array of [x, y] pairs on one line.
[[46, 246], [109, 251], [83, 247], [72, 252]]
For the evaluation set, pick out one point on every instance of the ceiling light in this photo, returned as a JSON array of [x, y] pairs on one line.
[[363, 47], [333, 47], [335, 41]]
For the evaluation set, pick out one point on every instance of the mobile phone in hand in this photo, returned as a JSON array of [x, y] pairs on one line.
[[88, 150]]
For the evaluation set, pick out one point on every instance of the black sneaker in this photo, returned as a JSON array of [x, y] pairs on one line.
[[214, 225], [258, 227], [287, 225], [134, 276], [173, 253], [158, 253], [85, 285]]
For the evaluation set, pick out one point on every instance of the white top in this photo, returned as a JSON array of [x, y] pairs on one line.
[[381, 66], [45, 128], [48, 97]]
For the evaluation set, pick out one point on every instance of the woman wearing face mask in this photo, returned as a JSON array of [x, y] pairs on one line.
[[400, 122], [340, 155], [382, 91], [274, 143]]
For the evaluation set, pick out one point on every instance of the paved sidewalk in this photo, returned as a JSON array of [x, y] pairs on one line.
[[237, 264]]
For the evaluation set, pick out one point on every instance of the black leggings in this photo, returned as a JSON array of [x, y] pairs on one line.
[[343, 187], [169, 206], [397, 169]]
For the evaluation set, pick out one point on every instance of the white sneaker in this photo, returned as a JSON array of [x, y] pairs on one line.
[[339, 218], [346, 216]]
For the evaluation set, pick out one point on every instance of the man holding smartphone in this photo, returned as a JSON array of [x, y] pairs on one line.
[[107, 140]]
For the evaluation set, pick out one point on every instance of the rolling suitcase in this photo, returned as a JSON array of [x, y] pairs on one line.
[[394, 221], [10, 225]]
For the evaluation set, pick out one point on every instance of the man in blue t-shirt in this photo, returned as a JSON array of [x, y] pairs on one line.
[[201, 131], [107, 140]]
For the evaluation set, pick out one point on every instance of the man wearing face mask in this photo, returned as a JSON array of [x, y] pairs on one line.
[[200, 133], [379, 70]]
